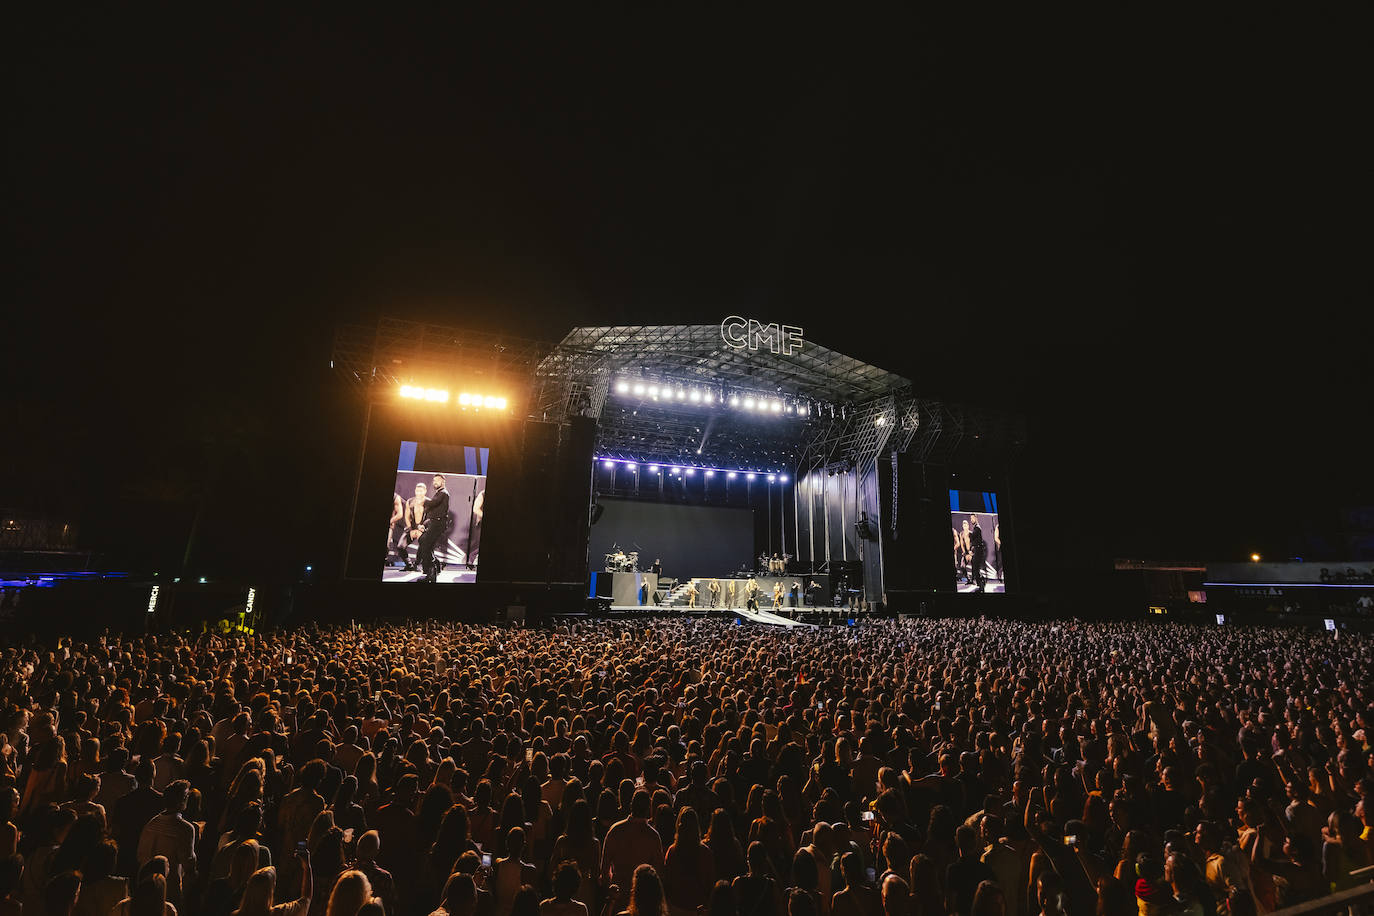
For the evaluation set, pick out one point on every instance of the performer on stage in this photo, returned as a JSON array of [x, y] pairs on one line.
[[730, 595], [997, 541], [414, 521], [396, 530], [434, 526], [958, 555], [691, 594], [657, 568], [980, 554], [475, 530], [713, 589], [751, 592], [777, 595]]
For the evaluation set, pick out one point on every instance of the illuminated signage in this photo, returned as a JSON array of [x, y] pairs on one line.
[[152, 600], [750, 334]]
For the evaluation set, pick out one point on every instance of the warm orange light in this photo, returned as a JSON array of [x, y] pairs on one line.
[[438, 395], [1254, 558]]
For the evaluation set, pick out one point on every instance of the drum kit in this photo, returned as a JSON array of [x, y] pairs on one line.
[[621, 561], [774, 566]]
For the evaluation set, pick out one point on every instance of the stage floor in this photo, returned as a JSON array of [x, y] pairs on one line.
[[448, 576], [763, 615]]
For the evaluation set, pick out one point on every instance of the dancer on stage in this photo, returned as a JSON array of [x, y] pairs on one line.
[[751, 592], [691, 593], [730, 593], [713, 589], [777, 595]]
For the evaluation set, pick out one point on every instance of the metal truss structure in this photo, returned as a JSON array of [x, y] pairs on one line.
[[844, 412]]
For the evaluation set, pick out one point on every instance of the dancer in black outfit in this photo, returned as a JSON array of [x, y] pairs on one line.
[[980, 553]]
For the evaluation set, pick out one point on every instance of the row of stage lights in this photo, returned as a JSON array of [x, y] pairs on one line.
[[441, 396], [675, 470], [655, 392]]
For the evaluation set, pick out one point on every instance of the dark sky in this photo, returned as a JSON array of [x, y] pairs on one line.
[[1152, 236]]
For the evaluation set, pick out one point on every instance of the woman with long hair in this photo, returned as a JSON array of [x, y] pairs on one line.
[[351, 891], [579, 844], [688, 870], [260, 893], [646, 894], [758, 891], [727, 855]]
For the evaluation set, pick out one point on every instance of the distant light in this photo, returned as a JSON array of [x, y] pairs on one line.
[[776, 407], [653, 469], [749, 476], [734, 400], [731, 475], [309, 568], [882, 420], [494, 402], [710, 473], [653, 391], [681, 394], [202, 580], [630, 465], [1254, 558], [783, 478], [438, 395], [691, 471], [748, 403], [694, 396], [622, 387], [465, 399], [698, 451], [608, 463], [772, 478], [639, 389]]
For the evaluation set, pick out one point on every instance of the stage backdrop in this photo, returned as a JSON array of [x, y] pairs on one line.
[[691, 540]]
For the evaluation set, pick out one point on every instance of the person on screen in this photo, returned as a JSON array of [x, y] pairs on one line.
[[980, 554], [958, 555], [475, 531], [434, 526], [997, 542], [396, 530], [968, 553], [414, 521]]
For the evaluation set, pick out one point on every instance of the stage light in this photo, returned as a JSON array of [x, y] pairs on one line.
[[438, 395], [776, 407], [1254, 558], [748, 403], [681, 395], [695, 396], [691, 471], [630, 465], [710, 473], [653, 469], [608, 463], [653, 391], [734, 401], [202, 580], [465, 399], [639, 389], [622, 387], [494, 402], [772, 478], [749, 476], [881, 420], [731, 475], [783, 478]]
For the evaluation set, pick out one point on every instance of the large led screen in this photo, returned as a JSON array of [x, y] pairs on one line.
[[435, 531], [979, 562]]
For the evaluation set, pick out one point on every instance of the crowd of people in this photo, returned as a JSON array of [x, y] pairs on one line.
[[677, 766]]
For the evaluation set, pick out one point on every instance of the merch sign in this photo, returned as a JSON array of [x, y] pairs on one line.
[[749, 334]]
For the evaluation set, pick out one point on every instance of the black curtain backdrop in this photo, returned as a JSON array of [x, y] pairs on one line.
[[692, 540]]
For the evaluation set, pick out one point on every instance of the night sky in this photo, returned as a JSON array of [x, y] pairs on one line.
[[1152, 236]]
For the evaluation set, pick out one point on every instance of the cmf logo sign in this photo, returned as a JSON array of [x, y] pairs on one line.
[[749, 334]]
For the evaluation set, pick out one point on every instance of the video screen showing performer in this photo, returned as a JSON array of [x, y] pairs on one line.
[[435, 530], [976, 538]]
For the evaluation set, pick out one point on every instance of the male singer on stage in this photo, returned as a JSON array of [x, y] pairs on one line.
[[980, 554], [713, 588], [435, 526]]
